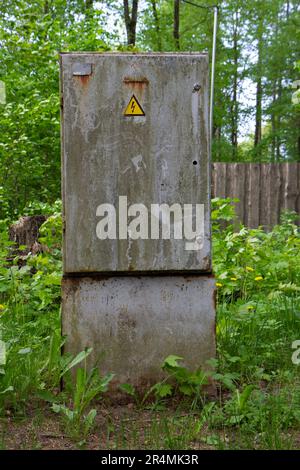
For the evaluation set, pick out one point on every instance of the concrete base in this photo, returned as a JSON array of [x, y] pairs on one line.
[[134, 323]]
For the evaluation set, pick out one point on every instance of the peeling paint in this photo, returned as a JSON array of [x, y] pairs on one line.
[[138, 163]]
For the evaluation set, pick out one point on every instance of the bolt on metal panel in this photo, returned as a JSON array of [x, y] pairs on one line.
[[135, 132]]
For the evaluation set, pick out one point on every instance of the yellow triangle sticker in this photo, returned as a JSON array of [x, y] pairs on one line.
[[134, 108]]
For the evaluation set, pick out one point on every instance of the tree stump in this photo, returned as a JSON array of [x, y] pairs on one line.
[[25, 232]]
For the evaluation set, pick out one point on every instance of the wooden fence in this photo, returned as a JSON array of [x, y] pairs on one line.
[[264, 190]]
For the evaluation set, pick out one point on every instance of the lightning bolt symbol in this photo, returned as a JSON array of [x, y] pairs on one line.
[[132, 106]]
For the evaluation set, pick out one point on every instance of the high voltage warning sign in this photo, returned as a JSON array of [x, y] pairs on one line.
[[134, 108]]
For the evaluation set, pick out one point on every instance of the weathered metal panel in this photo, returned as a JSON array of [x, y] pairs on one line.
[[134, 323], [162, 157]]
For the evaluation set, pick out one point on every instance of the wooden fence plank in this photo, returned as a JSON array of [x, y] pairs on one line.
[[264, 203], [275, 188], [264, 190], [220, 180], [253, 195], [238, 188], [291, 187]]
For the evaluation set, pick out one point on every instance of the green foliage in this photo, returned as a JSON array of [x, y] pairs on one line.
[[88, 386], [258, 282], [222, 211], [30, 320], [30, 346], [31, 36], [178, 380], [187, 383], [257, 44], [259, 418], [258, 297], [296, 84]]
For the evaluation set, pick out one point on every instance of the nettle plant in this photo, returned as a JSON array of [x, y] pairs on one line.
[[178, 381], [249, 262]]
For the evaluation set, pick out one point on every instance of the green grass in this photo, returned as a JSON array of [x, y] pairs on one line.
[[258, 386]]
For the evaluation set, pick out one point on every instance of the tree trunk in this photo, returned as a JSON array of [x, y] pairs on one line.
[[278, 142], [217, 132], [176, 24], [274, 100], [258, 109], [130, 21], [287, 9], [156, 22], [273, 123], [26, 230], [298, 140], [258, 113], [25, 234], [88, 11], [46, 7], [234, 106]]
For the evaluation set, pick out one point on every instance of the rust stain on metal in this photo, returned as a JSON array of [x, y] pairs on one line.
[[134, 81], [137, 84], [83, 79], [76, 278], [131, 267]]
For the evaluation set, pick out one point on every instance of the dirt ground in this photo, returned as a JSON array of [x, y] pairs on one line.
[[118, 426]]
